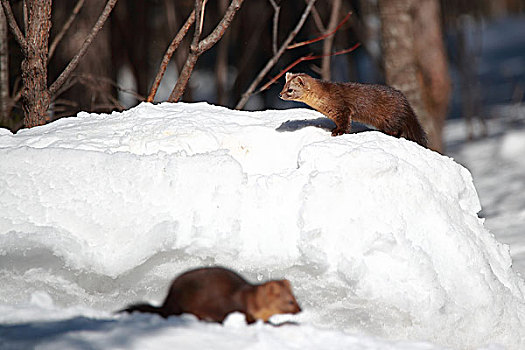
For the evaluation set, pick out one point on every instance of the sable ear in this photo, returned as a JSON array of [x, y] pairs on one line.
[[272, 288], [288, 76], [301, 81], [286, 284]]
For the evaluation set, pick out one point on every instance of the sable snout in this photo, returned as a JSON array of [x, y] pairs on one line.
[[297, 309]]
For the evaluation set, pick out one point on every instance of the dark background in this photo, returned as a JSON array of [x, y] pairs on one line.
[[485, 43]]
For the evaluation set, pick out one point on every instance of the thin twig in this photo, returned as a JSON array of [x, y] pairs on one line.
[[200, 6], [74, 62], [72, 81], [102, 79], [202, 15], [64, 29], [14, 26], [275, 27], [305, 58], [197, 48], [275, 57], [326, 72], [26, 16], [18, 89], [169, 53], [317, 19], [17, 96], [322, 37], [63, 102]]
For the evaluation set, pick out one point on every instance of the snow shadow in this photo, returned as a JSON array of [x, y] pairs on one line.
[[118, 332], [322, 123]]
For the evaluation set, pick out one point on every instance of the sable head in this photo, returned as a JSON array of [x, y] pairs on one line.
[[275, 297], [295, 87]]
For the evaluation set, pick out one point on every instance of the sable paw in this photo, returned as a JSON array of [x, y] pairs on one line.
[[337, 132]]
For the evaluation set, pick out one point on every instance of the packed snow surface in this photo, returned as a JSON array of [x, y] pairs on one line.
[[379, 237]]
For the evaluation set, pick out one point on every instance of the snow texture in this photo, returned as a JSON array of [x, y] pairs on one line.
[[379, 237]]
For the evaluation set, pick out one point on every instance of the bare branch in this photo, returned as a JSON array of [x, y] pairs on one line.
[[197, 47], [74, 62], [276, 10], [317, 19], [64, 29], [275, 57], [14, 26], [219, 30], [185, 73], [329, 42], [72, 81], [324, 36], [306, 58], [169, 53]]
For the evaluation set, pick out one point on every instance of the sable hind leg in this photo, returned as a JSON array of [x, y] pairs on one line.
[[395, 132], [171, 308]]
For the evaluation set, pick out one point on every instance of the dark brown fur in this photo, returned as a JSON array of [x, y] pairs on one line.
[[380, 106], [213, 293]]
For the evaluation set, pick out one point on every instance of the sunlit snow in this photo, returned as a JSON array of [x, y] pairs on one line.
[[379, 237]]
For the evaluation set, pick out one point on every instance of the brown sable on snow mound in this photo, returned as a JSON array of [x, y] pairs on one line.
[[211, 293], [380, 106]]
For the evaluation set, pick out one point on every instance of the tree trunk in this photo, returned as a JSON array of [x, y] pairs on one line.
[[432, 62], [35, 95], [409, 63]]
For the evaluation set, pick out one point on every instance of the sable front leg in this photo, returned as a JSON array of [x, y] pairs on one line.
[[249, 318], [343, 124]]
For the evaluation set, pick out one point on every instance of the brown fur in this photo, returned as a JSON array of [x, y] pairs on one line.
[[380, 106], [213, 293]]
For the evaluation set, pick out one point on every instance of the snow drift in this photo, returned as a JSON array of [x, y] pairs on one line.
[[376, 234]]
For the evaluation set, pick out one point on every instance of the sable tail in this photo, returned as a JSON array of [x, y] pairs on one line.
[[415, 132], [146, 308]]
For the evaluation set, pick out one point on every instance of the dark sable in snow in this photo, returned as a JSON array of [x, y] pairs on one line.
[[380, 106], [214, 292]]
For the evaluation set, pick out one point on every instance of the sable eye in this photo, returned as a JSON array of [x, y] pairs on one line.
[[289, 91]]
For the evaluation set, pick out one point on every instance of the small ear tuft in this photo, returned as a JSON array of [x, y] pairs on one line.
[[288, 76], [300, 80], [287, 284]]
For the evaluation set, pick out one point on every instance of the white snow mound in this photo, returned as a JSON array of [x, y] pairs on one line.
[[377, 235]]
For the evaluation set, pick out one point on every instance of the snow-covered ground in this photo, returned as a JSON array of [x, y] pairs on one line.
[[379, 237], [497, 164]]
